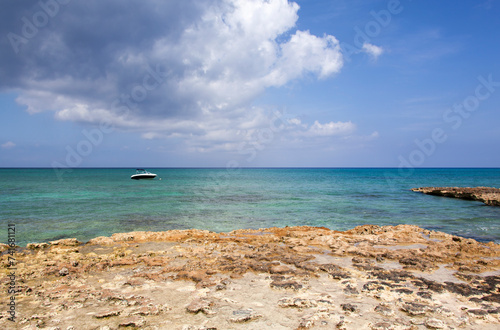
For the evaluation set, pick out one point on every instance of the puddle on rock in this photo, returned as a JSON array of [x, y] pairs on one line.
[[440, 275]]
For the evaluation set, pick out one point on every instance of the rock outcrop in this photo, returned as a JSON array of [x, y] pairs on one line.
[[487, 195], [370, 277]]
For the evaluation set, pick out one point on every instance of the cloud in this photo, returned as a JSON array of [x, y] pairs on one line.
[[372, 50], [328, 129], [8, 145], [184, 69]]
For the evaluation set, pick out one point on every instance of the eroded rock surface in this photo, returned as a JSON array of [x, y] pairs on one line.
[[370, 277], [487, 195]]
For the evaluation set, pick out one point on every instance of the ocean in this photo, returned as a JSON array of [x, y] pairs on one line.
[[47, 204]]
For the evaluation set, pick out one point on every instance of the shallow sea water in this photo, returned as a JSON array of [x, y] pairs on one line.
[[85, 203]]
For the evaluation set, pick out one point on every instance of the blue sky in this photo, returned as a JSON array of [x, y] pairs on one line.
[[250, 83]]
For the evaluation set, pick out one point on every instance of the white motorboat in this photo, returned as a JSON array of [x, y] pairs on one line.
[[142, 174]]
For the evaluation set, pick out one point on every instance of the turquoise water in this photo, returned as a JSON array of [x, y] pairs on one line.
[[85, 203]]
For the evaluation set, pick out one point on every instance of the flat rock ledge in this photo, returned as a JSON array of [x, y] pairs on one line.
[[369, 277], [487, 195]]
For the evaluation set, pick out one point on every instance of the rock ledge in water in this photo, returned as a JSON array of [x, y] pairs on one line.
[[487, 195]]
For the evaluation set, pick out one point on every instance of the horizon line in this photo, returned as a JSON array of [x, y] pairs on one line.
[[257, 167]]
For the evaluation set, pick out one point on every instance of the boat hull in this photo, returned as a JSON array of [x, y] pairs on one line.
[[143, 176]]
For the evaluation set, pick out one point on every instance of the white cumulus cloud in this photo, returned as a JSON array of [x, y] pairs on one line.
[[329, 129], [183, 69]]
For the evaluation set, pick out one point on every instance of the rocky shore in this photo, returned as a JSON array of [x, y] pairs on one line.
[[370, 277], [487, 195]]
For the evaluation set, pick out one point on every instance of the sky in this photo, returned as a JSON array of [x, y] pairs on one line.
[[250, 83]]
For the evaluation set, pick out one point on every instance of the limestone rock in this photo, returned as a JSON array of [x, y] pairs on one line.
[[108, 313], [133, 321], [434, 324], [297, 302], [200, 305], [64, 271], [487, 195], [66, 242], [414, 309]]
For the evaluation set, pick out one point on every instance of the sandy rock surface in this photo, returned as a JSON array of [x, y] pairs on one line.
[[370, 277]]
